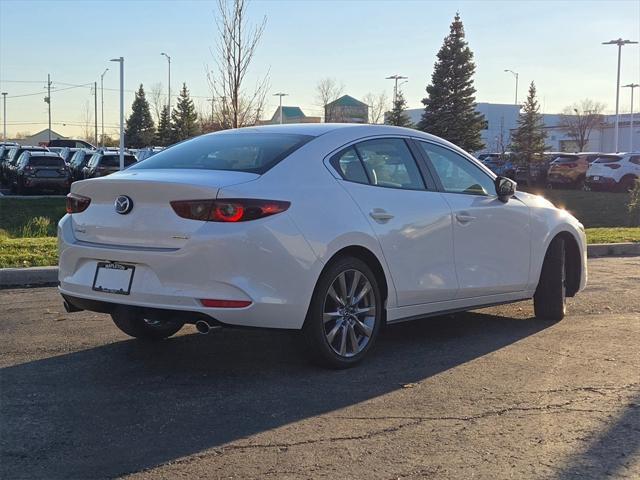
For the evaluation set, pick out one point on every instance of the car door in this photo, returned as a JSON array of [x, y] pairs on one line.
[[492, 239], [410, 219]]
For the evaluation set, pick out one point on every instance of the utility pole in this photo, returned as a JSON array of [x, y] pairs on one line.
[[632, 86], [48, 101], [102, 103], [280, 94], [395, 87], [95, 110], [4, 115], [619, 42], [120, 60], [516, 75], [169, 87]]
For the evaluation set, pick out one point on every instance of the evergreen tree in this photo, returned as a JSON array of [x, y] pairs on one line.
[[164, 134], [450, 103], [528, 139], [184, 118], [397, 116], [140, 131]]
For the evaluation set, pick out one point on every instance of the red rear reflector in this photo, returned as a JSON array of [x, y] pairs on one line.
[[207, 302], [228, 210], [77, 203]]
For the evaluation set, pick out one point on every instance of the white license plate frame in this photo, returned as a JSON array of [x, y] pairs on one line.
[[596, 178], [113, 277]]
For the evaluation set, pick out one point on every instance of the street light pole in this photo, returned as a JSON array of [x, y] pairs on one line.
[[280, 94], [169, 86], [120, 60], [395, 87], [619, 42], [632, 86], [102, 103], [48, 100], [4, 115], [515, 74]]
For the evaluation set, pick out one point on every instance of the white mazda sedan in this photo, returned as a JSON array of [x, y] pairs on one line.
[[331, 229]]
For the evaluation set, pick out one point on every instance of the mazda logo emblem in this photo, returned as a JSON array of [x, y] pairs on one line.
[[123, 204]]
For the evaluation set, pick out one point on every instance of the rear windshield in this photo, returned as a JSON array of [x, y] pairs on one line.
[[565, 158], [46, 162], [114, 160], [242, 152], [608, 159]]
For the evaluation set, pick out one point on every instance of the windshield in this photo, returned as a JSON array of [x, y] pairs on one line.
[[114, 161], [242, 152], [46, 162], [608, 159]]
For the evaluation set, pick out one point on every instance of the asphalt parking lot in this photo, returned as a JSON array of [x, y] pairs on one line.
[[487, 394]]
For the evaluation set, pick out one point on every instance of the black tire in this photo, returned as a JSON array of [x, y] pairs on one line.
[[133, 323], [313, 330], [549, 301]]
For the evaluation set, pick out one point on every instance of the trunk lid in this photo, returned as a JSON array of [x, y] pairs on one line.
[[151, 222]]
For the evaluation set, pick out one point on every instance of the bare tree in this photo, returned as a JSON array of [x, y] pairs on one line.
[[86, 120], [579, 119], [328, 90], [377, 106], [237, 42], [157, 99]]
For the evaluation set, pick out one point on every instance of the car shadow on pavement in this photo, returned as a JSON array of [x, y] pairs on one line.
[[129, 405], [611, 452]]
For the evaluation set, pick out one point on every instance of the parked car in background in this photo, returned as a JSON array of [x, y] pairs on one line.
[[331, 229], [570, 169], [102, 164], [5, 147], [69, 142], [65, 152], [535, 173], [145, 153], [38, 172], [614, 172], [78, 161], [11, 158], [500, 164]]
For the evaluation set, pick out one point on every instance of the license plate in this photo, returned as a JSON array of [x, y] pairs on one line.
[[596, 178], [113, 277]]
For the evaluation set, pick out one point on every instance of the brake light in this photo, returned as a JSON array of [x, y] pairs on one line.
[[211, 303], [228, 210], [613, 166], [77, 203]]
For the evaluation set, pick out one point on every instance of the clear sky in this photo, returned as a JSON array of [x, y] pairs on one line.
[[359, 42]]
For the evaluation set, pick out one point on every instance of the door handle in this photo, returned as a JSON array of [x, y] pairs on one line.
[[380, 215], [464, 217]]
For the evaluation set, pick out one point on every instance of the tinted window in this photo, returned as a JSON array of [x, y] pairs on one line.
[[114, 161], [93, 160], [565, 159], [46, 162], [635, 159], [244, 152], [608, 159], [349, 166], [389, 163], [456, 173]]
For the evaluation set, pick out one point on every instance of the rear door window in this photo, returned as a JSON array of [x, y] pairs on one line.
[[389, 163]]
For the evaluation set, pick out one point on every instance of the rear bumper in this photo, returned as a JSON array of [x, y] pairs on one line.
[[37, 182], [266, 262]]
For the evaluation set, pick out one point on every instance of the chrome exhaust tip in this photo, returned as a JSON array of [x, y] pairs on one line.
[[203, 327]]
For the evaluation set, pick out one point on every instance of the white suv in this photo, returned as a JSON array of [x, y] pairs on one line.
[[614, 172]]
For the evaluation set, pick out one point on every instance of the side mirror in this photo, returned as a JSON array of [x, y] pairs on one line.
[[505, 188]]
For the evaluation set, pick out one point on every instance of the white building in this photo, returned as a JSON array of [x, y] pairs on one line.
[[502, 120]]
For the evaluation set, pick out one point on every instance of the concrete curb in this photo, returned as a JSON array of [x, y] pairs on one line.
[[40, 276]]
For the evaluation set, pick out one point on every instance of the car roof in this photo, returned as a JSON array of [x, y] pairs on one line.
[[43, 154]]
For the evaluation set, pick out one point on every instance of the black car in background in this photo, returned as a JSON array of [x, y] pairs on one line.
[[78, 161], [106, 163], [40, 171], [10, 159], [69, 142]]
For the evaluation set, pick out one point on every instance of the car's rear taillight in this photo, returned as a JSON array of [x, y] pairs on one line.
[[613, 166], [77, 203], [228, 210]]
